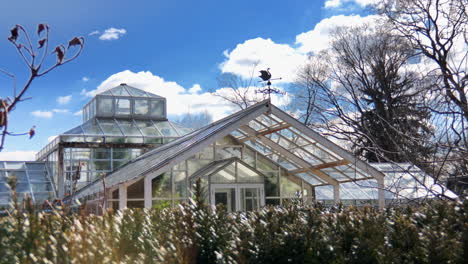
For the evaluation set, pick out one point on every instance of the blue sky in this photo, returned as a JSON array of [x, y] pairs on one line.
[[172, 48]]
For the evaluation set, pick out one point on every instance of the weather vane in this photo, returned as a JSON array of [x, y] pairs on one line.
[[266, 78]]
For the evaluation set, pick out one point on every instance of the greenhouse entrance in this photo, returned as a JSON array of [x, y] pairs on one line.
[[238, 197]]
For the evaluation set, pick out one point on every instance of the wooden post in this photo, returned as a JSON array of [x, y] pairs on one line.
[[336, 193], [148, 192], [122, 196], [381, 193]]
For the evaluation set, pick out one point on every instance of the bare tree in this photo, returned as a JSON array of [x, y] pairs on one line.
[[238, 90], [365, 94], [35, 58], [437, 29]]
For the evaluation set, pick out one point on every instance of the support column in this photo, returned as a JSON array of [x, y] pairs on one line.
[[148, 192], [60, 174], [122, 196], [381, 193], [336, 193]]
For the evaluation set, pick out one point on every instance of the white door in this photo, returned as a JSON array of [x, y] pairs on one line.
[[238, 197]]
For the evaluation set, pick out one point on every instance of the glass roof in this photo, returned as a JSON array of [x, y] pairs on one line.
[[33, 179], [271, 132], [113, 127], [126, 90], [402, 181]]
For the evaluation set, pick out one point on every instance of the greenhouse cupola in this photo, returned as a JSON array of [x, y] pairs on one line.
[[125, 101]]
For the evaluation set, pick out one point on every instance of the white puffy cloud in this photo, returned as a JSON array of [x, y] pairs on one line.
[[78, 113], [319, 38], [195, 89], [247, 58], [85, 79], [179, 99], [64, 99], [18, 155], [42, 114], [112, 33], [48, 113]]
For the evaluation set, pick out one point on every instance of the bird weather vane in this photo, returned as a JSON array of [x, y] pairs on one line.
[[266, 78]]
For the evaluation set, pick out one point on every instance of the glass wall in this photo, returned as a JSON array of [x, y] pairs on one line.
[[32, 179], [175, 185], [84, 165], [124, 107]]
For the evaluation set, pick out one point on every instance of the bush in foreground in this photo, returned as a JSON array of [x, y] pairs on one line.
[[194, 233]]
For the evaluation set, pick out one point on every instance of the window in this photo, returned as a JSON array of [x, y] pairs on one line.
[[141, 107], [105, 106], [157, 108], [122, 106]]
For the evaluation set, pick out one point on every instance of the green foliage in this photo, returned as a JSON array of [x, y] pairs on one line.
[[193, 232]]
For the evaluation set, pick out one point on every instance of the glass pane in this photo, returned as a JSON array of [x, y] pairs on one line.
[[148, 128], [41, 187], [3, 176], [129, 128], [100, 165], [166, 129], [122, 106], [101, 153], [136, 92], [228, 152], [121, 154], [109, 126], [195, 165], [225, 175], [37, 176], [75, 131], [35, 166], [249, 199], [271, 183], [105, 106], [180, 185], [162, 185], [157, 108], [120, 91], [225, 198], [289, 188], [141, 107], [4, 187], [14, 165], [247, 175], [22, 187], [92, 106], [4, 199], [20, 175], [91, 128]]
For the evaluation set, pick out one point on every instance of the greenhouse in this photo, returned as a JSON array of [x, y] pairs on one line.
[[126, 153], [257, 156], [118, 125]]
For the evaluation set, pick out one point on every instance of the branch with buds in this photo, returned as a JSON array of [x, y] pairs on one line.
[[35, 58]]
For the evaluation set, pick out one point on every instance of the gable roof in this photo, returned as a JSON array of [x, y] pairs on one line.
[[266, 129]]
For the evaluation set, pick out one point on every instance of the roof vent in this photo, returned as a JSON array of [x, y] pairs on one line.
[[123, 84]]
